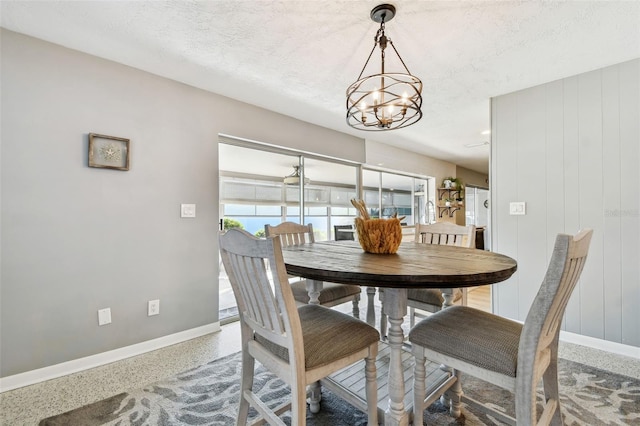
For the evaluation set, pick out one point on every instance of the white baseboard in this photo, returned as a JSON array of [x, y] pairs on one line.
[[54, 371], [603, 345], [47, 373]]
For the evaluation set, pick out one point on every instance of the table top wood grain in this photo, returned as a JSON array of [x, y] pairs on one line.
[[414, 265]]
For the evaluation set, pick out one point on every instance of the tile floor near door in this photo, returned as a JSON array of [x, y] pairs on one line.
[[28, 405]]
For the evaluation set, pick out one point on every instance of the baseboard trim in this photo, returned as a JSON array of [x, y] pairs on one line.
[[54, 371], [47, 373], [603, 345]]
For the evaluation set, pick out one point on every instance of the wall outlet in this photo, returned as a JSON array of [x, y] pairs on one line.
[[104, 316], [517, 208], [153, 307]]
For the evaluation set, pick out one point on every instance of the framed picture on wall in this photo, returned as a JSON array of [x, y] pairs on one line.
[[108, 152]]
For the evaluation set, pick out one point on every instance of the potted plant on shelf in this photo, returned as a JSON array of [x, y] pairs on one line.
[[460, 196], [451, 183]]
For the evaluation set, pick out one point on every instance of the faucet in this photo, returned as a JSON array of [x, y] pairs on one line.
[[430, 208]]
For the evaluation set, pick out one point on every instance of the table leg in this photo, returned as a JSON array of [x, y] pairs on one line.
[[314, 288], [395, 307], [447, 294], [371, 313]]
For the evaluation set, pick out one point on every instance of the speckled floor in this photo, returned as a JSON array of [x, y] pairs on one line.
[[30, 404]]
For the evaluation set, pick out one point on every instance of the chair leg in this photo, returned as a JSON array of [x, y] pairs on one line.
[[298, 404], [371, 388], [419, 391], [248, 364], [356, 307], [465, 297], [412, 317], [315, 396], [551, 392], [526, 412], [455, 394]]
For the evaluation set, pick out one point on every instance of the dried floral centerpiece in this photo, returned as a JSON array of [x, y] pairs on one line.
[[377, 235]]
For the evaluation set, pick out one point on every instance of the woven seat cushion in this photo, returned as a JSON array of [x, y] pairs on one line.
[[329, 293], [477, 337], [327, 335], [431, 296]]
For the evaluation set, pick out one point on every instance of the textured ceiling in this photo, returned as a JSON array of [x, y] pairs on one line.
[[298, 57]]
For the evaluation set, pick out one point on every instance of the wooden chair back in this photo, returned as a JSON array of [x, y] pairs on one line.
[[267, 310], [538, 345], [290, 233], [343, 235], [444, 233]]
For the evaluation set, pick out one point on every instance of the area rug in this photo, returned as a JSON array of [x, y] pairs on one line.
[[209, 395]]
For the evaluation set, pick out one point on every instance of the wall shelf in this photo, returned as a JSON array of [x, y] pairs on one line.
[[449, 210], [451, 194]]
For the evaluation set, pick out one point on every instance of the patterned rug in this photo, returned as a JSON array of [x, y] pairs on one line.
[[208, 395]]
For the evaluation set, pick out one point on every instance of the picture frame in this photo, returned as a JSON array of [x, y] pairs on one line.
[[109, 152]]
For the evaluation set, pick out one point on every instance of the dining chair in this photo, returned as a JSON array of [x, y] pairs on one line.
[[301, 345], [506, 353], [332, 294], [431, 299], [343, 235]]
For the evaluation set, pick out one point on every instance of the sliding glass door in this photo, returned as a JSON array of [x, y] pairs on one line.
[[265, 185]]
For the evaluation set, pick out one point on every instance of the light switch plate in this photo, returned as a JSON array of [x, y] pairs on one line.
[[187, 210], [517, 208], [104, 316]]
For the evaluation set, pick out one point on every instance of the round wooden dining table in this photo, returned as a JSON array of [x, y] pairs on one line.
[[413, 266]]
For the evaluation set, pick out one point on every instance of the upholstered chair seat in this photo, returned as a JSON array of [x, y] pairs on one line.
[[431, 296], [323, 336], [482, 339]]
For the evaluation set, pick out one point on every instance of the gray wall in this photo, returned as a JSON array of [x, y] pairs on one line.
[[76, 239], [571, 150]]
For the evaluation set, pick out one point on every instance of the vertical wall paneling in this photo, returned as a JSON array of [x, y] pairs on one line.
[[555, 184], [505, 183], [531, 178], [591, 202], [630, 199], [571, 172], [611, 229], [589, 176]]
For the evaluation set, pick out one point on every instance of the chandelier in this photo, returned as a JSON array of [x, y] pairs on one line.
[[384, 101]]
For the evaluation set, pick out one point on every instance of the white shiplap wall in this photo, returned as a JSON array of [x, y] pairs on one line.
[[571, 150]]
